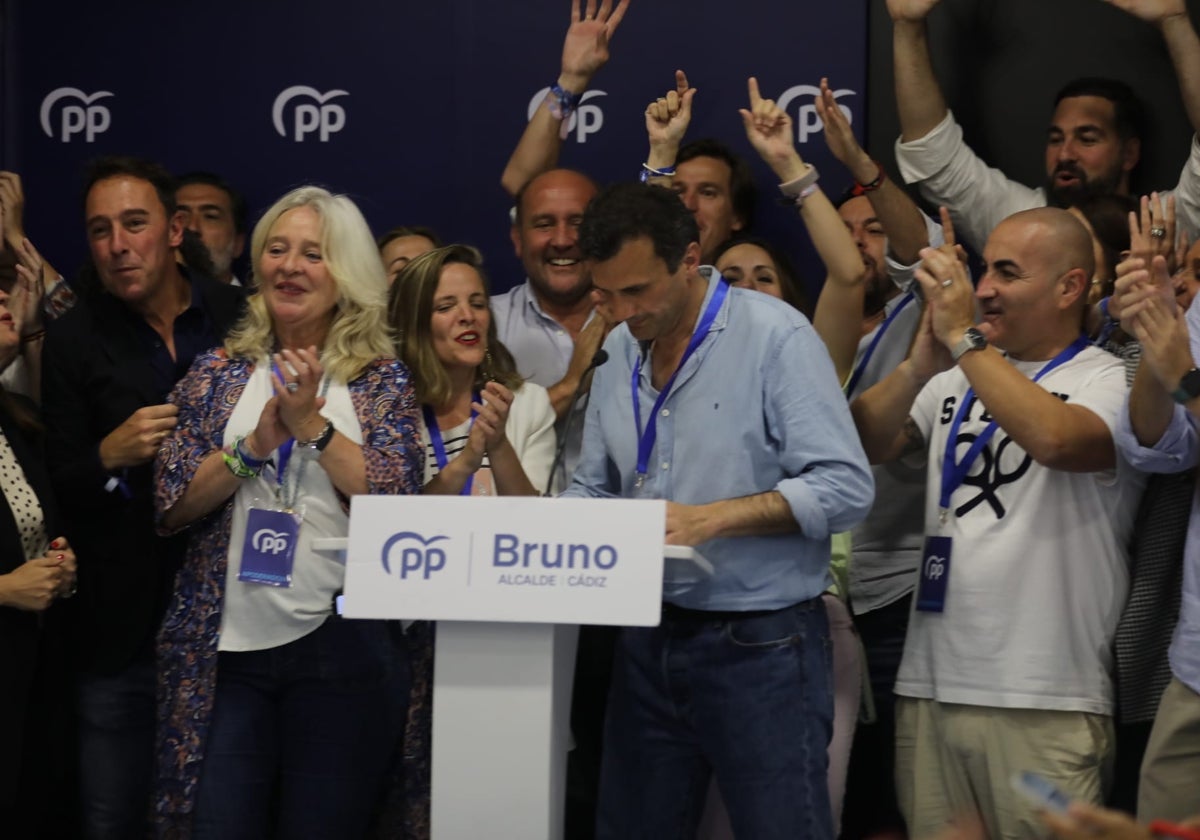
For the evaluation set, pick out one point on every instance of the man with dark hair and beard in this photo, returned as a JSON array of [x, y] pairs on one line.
[[1093, 142]]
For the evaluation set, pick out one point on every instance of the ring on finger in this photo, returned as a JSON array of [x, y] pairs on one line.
[[948, 282], [1158, 232], [292, 387]]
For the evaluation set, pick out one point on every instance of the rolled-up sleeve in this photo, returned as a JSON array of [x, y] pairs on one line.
[[1174, 452], [949, 173], [828, 483]]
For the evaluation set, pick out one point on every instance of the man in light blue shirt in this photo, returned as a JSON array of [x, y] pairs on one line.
[[744, 430], [1159, 434]]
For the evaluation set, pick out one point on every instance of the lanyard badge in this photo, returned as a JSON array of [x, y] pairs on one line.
[[647, 437], [935, 558], [439, 446]]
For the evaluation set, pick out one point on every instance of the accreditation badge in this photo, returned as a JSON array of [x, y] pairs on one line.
[[935, 575], [269, 548]]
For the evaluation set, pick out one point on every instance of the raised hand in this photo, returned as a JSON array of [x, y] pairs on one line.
[[492, 415], [585, 48], [948, 294], [26, 300], [667, 118], [910, 10], [12, 197], [1161, 328], [1151, 11], [1152, 230], [769, 130], [296, 377], [840, 139]]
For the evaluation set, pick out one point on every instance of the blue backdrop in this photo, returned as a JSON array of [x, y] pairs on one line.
[[411, 108]]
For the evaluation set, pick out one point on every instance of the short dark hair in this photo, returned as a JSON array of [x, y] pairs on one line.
[[409, 230], [1129, 114], [624, 212], [789, 284], [1108, 214], [115, 166], [742, 191], [236, 201]]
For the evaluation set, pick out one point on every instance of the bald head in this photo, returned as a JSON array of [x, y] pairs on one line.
[[1057, 238], [557, 180]]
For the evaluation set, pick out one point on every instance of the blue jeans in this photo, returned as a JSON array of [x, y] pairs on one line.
[[745, 696], [116, 751], [302, 734]]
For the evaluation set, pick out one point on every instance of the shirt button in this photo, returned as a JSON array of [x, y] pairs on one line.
[[666, 465], [560, 332], [666, 412]]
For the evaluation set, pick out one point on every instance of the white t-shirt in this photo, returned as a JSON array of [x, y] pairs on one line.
[[1039, 569], [256, 616]]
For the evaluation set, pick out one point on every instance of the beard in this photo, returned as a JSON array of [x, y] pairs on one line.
[[1083, 188]]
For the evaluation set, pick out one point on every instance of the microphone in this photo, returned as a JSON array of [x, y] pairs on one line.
[[600, 358]]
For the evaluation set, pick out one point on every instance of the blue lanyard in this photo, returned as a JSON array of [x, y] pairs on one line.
[[954, 472], [285, 453], [646, 438], [439, 447], [862, 365]]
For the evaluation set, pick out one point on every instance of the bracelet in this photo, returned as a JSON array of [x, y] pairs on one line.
[[33, 336], [562, 104], [239, 469], [797, 200], [235, 458], [799, 189], [243, 454], [871, 186], [321, 440], [649, 172]]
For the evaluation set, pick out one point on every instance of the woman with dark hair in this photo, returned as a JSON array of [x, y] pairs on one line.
[[1106, 218], [751, 262], [485, 432], [401, 245], [37, 567]]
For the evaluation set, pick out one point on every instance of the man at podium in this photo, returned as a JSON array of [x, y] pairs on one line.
[[724, 403]]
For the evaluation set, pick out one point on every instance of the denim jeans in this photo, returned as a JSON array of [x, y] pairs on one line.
[[302, 734], [747, 697], [116, 751]]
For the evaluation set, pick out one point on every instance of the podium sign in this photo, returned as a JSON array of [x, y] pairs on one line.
[[524, 559]]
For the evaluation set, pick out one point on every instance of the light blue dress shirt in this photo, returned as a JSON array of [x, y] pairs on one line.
[[756, 408], [1177, 450]]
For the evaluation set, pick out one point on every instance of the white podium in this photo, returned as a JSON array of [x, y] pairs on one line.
[[508, 580]]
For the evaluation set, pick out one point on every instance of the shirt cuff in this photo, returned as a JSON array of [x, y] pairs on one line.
[[921, 159]]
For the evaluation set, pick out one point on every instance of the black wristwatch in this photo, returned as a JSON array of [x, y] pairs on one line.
[[1188, 388], [317, 445], [972, 339]]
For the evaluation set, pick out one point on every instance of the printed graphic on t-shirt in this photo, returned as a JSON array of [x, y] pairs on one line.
[[1000, 463]]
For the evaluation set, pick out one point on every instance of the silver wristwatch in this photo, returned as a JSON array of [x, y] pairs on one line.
[[972, 339]]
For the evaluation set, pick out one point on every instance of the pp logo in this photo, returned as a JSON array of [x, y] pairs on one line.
[[419, 557], [82, 117], [267, 541], [320, 117], [587, 119], [807, 121], [935, 567]]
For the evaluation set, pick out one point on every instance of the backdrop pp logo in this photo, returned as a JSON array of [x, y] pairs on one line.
[[587, 119], [318, 116], [805, 116], [80, 117]]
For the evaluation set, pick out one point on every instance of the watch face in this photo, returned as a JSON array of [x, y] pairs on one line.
[[1190, 383], [975, 338]]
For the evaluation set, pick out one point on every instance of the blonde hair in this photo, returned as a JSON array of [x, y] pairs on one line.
[[410, 311], [359, 333]]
